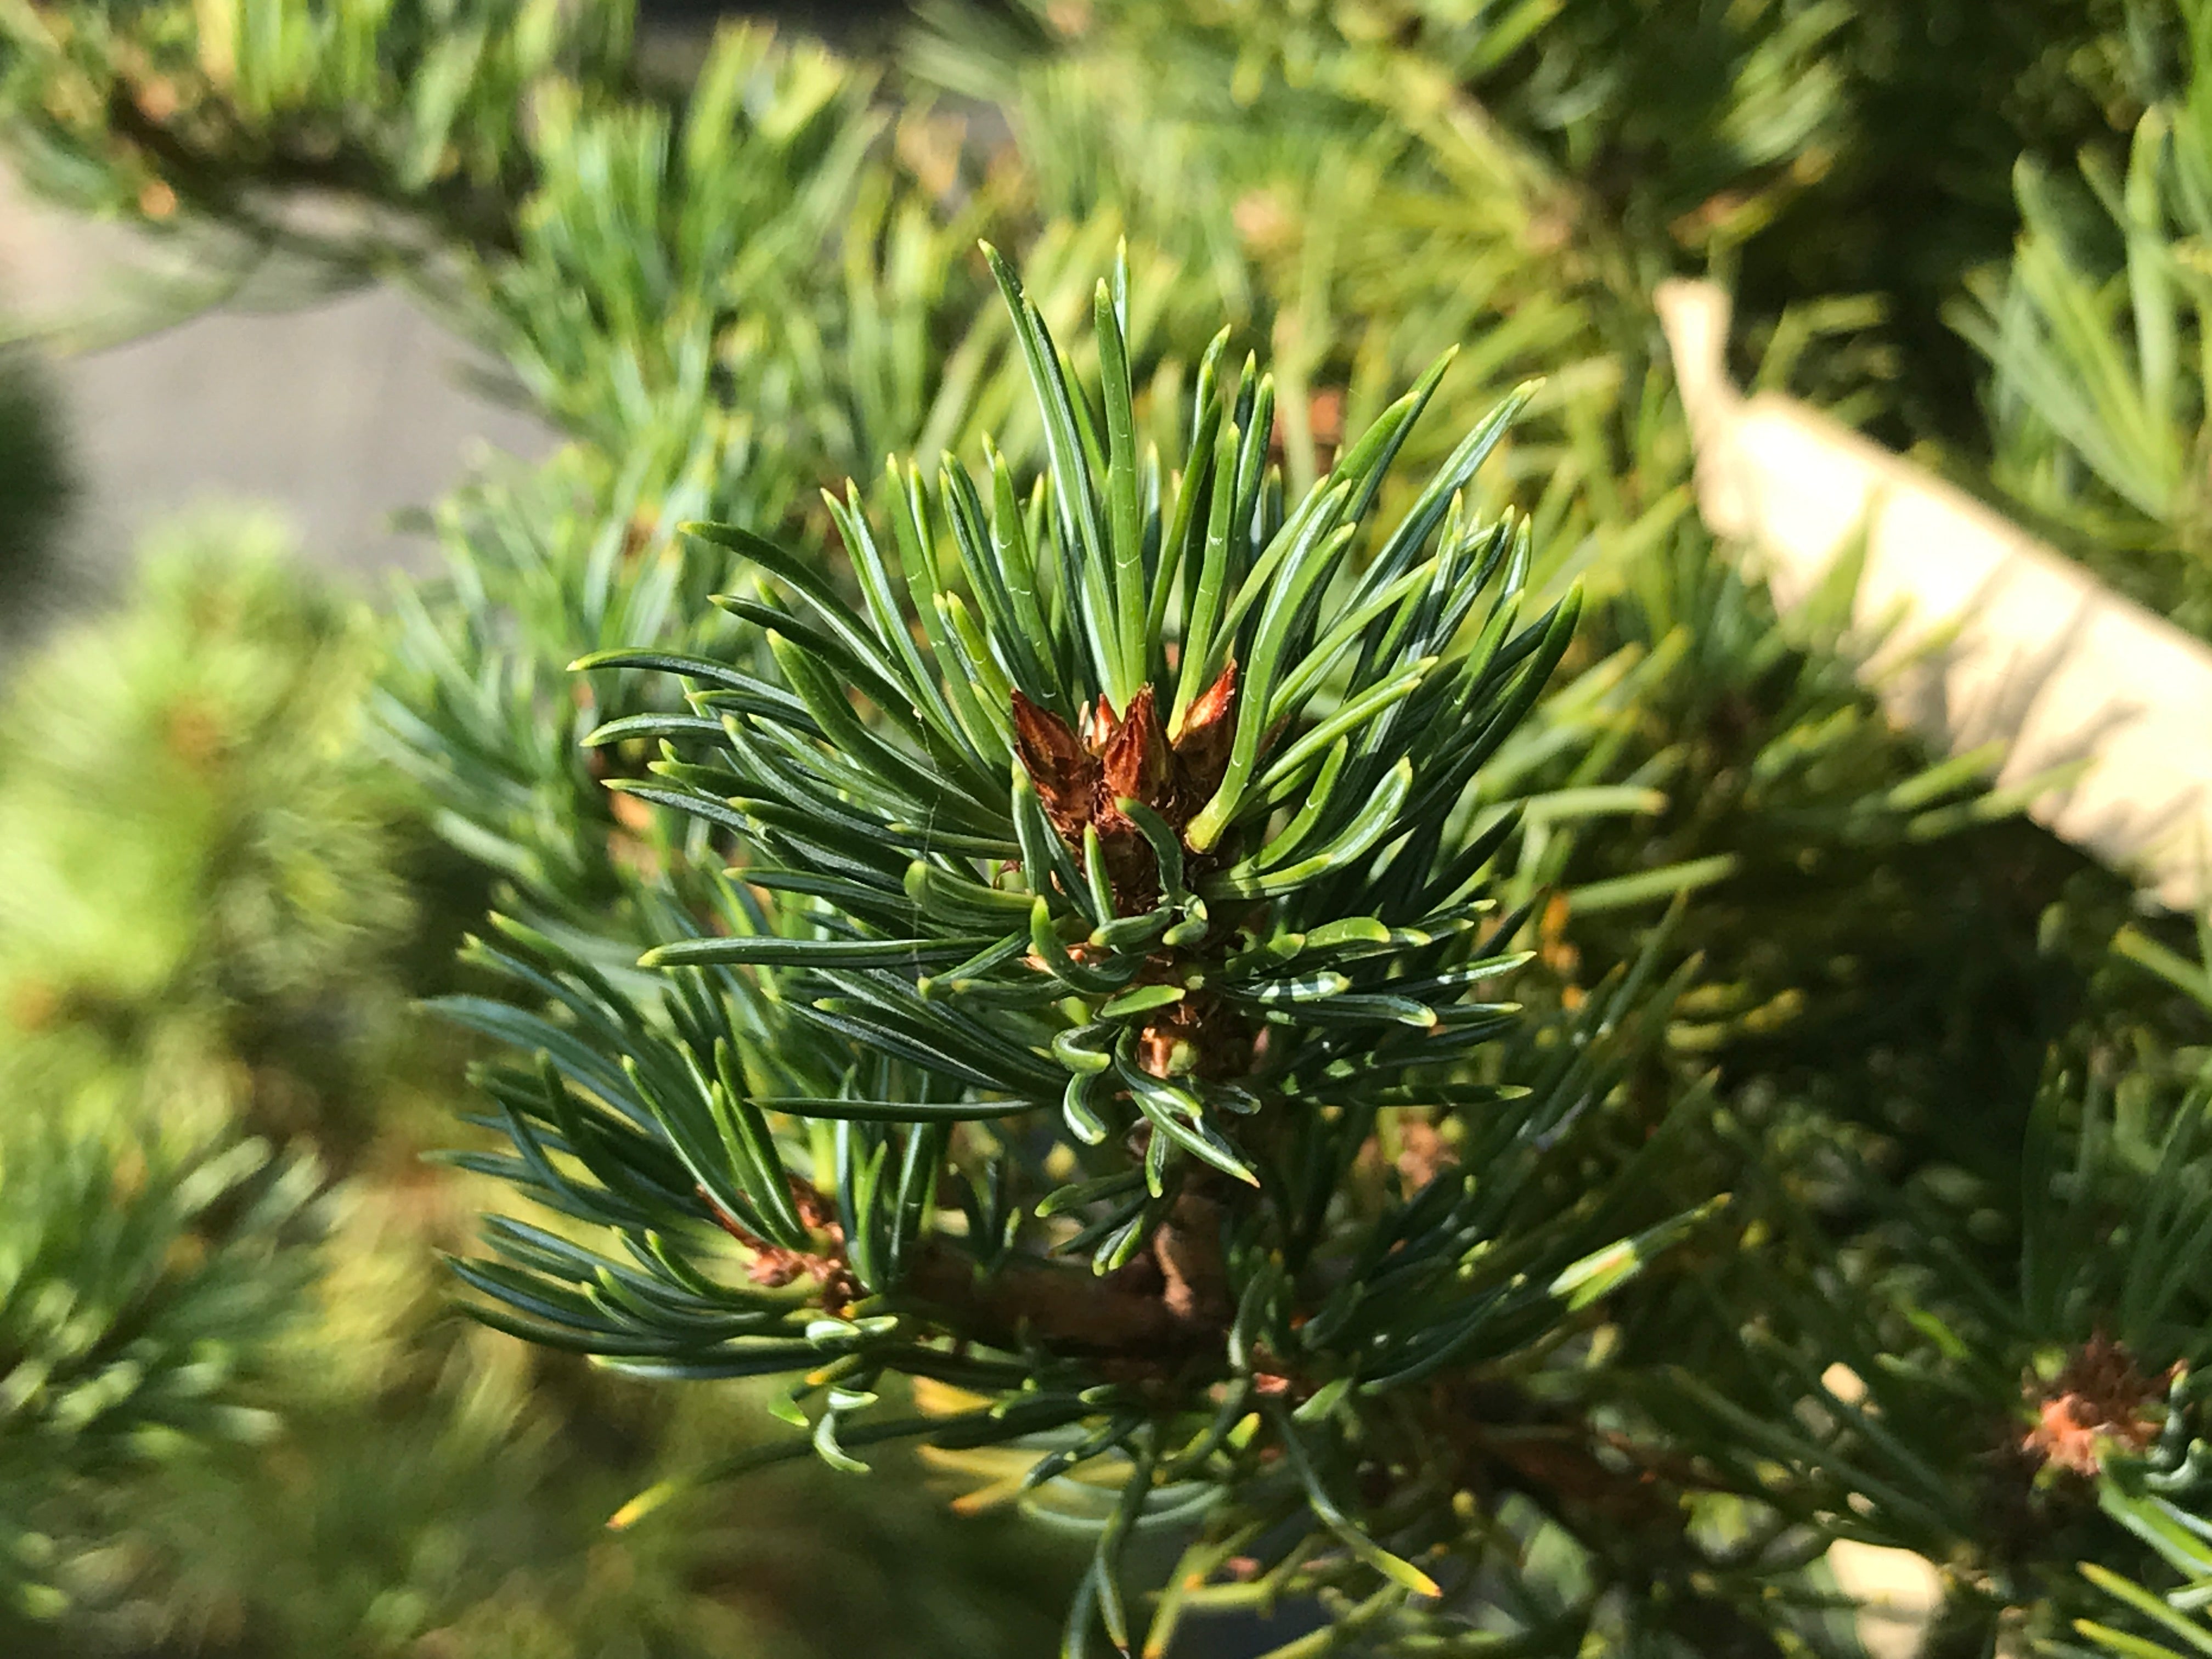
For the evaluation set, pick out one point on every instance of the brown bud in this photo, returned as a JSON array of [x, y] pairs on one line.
[[1100, 722], [1136, 756], [1065, 774], [1196, 1037], [1201, 748], [1165, 1048], [2100, 1400], [772, 1268]]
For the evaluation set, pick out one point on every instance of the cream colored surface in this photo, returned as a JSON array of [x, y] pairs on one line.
[[1897, 1591], [2039, 656]]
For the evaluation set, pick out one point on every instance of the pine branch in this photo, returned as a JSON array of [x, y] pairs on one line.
[[1153, 846]]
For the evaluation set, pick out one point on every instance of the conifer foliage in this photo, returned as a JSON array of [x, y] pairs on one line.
[[1094, 957], [137, 1299], [1167, 956]]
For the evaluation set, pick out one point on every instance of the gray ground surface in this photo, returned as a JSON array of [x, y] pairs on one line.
[[340, 413]]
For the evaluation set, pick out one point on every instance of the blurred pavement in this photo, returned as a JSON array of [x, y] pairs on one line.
[[339, 414]]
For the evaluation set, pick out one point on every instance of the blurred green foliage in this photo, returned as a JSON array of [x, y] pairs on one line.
[[202, 870], [141, 1291], [2094, 333]]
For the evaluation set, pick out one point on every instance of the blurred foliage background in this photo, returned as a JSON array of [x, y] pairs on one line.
[[246, 819]]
